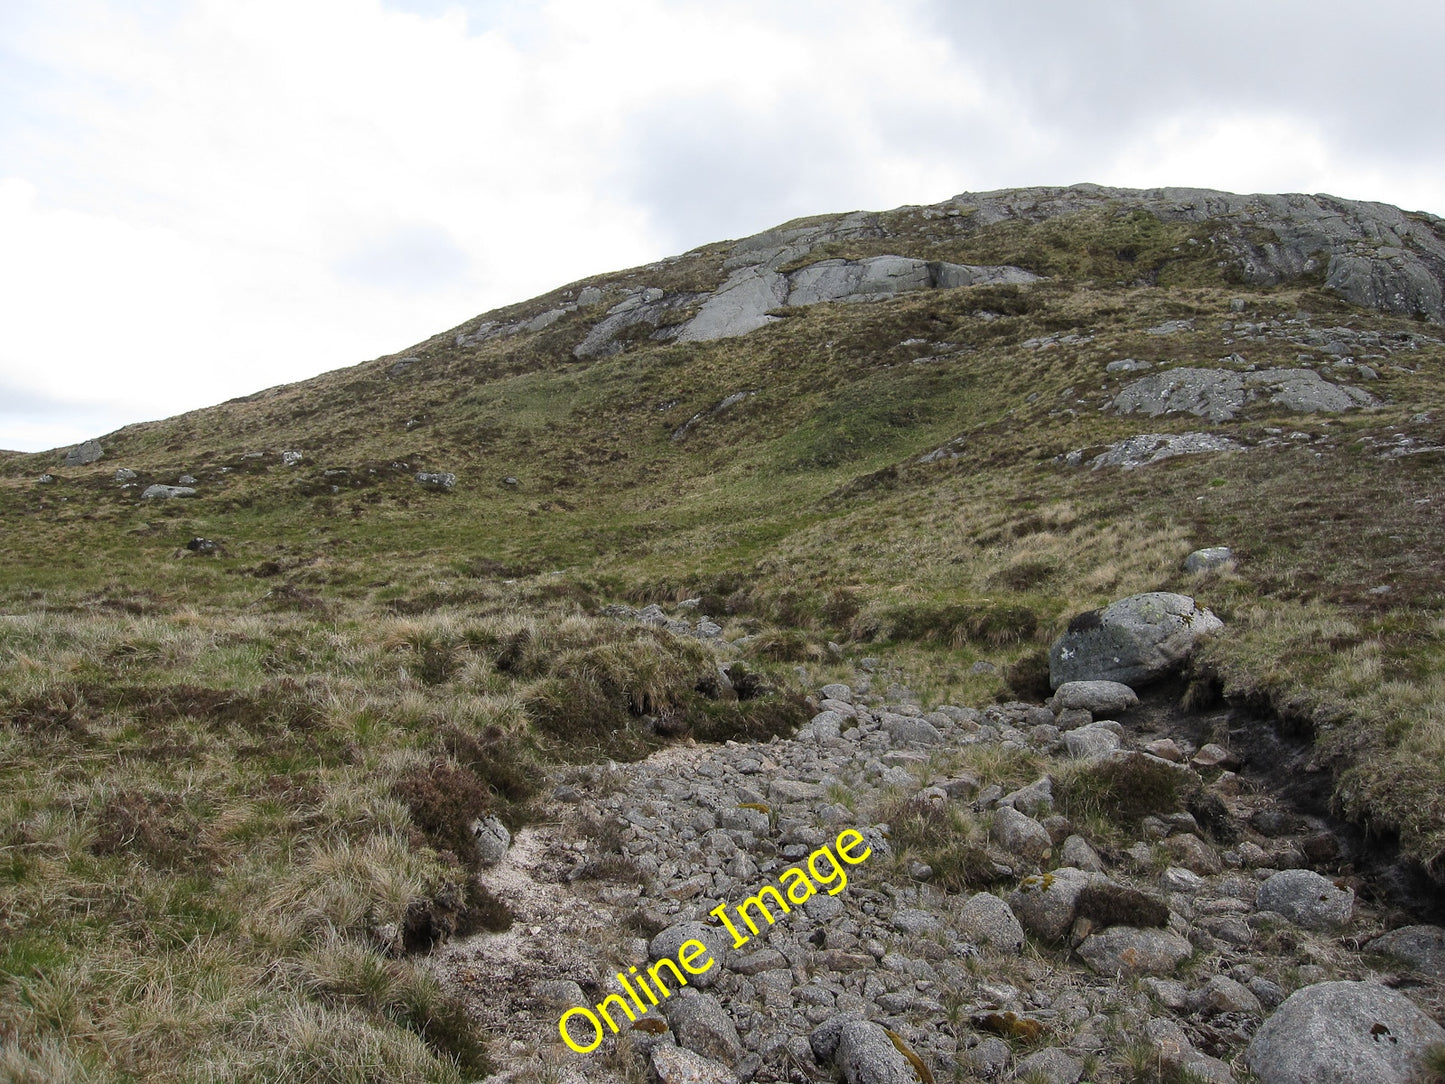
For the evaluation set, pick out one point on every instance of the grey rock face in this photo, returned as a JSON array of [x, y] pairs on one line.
[[1149, 448], [85, 453], [1125, 950], [160, 493], [1422, 947], [987, 919], [703, 1026], [493, 839], [1100, 697], [1208, 559], [1134, 641], [1307, 899], [1372, 254], [743, 302], [1342, 1033]]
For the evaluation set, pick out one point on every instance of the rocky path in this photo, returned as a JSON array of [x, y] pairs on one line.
[[1202, 940]]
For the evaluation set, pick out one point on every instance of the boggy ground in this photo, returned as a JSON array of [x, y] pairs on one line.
[[945, 935]]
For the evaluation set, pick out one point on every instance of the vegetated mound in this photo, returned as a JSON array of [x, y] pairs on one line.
[[919, 440]]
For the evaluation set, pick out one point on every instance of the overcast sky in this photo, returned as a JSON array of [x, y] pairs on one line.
[[202, 198]]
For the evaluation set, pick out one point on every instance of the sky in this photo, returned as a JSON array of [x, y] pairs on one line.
[[203, 198]]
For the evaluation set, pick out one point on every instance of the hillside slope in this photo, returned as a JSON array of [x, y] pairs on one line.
[[927, 436]]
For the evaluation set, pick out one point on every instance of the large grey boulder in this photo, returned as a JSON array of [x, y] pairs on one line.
[[754, 289], [1307, 899], [1134, 641], [85, 453], [1343, 1033], [1372, 254]]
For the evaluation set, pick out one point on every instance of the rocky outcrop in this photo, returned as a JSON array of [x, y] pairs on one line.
[[1134, 641], [1220, 394], [1370, 254], [83, 454], [743, 303]]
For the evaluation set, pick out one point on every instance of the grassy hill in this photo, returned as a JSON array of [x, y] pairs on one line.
[[229, 777]]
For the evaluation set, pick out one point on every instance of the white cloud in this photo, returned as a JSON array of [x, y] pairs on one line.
[[199, 198]]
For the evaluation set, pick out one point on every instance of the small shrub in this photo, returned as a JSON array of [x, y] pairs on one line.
[[1122, 792], [1119, 905], [1027, 677], [444, 800], [755, 719]]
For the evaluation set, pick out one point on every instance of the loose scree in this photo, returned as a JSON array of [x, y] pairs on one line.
[[794, 887]]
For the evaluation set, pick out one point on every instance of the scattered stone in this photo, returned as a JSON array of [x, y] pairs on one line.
[[1092, 742], [1097, 697], [909, 731], [186, 480], [1053, 1066], [1343, 1031], [1077, 852], [719, 945], [204, 546], [437, 479], [1307, 899], [125, 474], [1215, 756], [866, 1055], [290, 459]]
